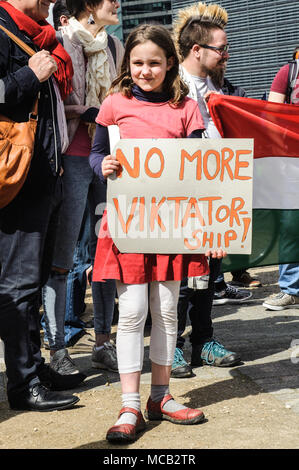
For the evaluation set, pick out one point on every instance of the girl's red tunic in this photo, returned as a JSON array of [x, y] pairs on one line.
[[142, 119]]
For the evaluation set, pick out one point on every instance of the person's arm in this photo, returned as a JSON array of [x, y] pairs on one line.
[[101, 161], [276, 97], [197, 134], [279, 87], [83, 112], [16, 87], [19, 86], [100, 149], [73, 111]]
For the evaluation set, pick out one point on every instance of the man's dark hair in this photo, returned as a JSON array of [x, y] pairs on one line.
[[195, 31], [76, 7], [59, 9]]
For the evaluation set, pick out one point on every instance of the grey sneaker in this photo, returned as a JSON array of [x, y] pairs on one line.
[[62, 363], [280, 301], [105, 358]]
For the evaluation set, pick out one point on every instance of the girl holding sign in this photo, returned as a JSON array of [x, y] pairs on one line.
[[147, 100]]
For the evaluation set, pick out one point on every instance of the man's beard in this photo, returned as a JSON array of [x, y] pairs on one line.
[[217, 76]]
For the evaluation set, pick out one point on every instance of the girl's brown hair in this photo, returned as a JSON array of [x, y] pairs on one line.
[[159, 35]]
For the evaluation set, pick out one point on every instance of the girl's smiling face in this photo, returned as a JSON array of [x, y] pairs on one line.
[[148, 66]]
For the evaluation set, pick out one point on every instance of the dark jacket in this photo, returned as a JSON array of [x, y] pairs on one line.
[[19, 88], [229, 89]]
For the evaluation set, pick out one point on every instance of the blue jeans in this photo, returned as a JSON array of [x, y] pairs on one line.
[[76, 283], [289, 278], [81, 185], [198, 305]]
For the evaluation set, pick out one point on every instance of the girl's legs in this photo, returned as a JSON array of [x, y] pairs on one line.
[[133, 307], [160, 374], [163, 303]]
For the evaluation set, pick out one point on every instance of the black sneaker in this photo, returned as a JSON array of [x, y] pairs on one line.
[[63, 364], [105, 358], [231, 295], [57, 382]]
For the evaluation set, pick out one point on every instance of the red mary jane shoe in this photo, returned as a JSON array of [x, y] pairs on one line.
[[154, 411], [126, 432]]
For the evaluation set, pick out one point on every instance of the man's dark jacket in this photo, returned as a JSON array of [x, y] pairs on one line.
[[19, 87]]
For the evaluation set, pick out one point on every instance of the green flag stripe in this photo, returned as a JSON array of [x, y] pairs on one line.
[[275, 240]]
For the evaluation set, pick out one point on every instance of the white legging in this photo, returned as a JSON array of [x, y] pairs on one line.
[[133, 309]]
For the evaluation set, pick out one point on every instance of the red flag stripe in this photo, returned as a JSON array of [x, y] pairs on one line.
[[273, 126]]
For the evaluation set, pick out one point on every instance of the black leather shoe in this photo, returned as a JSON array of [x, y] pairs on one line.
[[54, 381], [39, 398]]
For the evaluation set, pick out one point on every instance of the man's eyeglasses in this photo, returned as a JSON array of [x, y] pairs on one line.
[[221, 50]]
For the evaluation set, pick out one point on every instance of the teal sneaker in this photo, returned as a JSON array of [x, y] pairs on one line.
[[180, 368], [213, 353]]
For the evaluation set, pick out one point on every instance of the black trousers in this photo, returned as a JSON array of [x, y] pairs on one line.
[[198, 305], [27, 236]]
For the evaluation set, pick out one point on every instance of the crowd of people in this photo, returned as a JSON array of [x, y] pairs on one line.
[[86, 81]]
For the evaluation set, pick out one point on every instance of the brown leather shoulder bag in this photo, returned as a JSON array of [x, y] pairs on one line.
[[16, 145]]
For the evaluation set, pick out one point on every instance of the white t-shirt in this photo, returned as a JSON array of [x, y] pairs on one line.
[[203, 85]]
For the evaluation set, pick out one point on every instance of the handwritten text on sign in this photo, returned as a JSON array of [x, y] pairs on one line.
[[181, 195]]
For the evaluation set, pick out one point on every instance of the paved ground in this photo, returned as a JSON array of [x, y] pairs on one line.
[[252, 406]]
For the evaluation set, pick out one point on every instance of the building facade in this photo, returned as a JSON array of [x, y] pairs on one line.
[[135, 12], [262, 34]]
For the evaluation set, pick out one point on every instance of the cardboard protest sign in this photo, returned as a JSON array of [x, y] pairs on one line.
[[181, 195]]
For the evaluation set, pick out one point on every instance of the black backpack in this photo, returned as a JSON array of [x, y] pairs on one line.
[[292, 77]]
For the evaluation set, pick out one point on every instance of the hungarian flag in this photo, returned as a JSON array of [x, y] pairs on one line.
[[275, 130]]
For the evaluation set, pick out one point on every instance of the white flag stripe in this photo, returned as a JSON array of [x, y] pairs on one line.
[[276, 183]]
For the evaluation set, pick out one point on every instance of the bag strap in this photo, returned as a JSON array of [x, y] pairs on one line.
[[28, 51], [292, 76], [59, 37], [111, 45], [19, 41]]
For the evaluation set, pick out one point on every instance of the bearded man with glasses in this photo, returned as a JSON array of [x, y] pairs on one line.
[[203, 49]]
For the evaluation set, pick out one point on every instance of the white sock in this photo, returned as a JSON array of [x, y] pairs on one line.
[[131, 400]]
